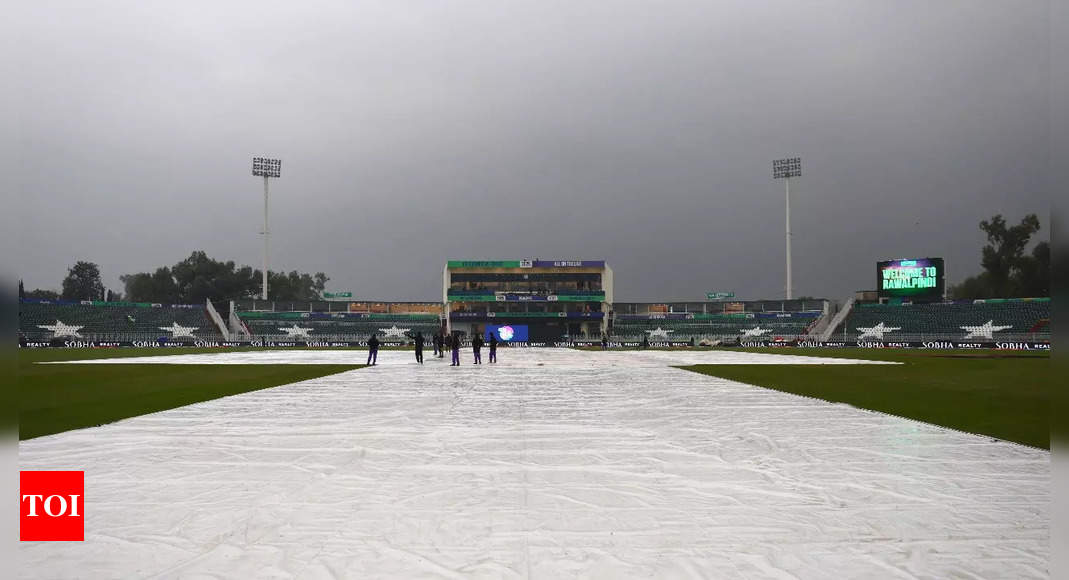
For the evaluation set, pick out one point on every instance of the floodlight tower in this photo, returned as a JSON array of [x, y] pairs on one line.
[[266, 168], [785, 169]]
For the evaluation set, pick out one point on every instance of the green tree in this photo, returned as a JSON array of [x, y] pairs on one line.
[[83, 282], [295, 285], [1002, 256], [1033, 272], [973, 288], [1008, 272], [42, 294], [155, 287], [200, 277]]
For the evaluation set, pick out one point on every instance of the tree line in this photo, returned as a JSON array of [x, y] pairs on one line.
[[190, 281], [1008, 271]]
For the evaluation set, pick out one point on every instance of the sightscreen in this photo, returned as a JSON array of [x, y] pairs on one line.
[[918, 278]]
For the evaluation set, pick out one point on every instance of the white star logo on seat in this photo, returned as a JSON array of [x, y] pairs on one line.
[[59, 329], [177, 330], [296, 331], [659, 332], [986, 330], [756, 331], [877, 331], [394, 331]]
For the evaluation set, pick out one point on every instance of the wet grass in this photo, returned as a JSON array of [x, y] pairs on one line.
[[998, 393], [57, 398]]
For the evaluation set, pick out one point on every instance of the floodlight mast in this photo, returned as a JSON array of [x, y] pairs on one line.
[[785, 169], [266, 167]]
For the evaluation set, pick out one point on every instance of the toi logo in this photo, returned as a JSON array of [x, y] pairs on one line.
[[51, 506]]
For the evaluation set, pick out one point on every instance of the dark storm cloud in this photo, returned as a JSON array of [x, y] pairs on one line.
[[637, 132]]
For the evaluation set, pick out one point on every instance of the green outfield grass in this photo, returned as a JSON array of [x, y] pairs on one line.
[[1004, 394], [57, 398]]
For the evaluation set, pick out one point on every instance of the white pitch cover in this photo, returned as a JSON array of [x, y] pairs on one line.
[[551, 464]]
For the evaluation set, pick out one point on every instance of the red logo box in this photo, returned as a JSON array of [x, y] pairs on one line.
[[52, 506]]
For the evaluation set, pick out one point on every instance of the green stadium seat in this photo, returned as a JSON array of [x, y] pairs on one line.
[[115, 321], [337, 327], [1011, 320]]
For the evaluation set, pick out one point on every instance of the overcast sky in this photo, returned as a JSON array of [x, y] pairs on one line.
[[639, 132]]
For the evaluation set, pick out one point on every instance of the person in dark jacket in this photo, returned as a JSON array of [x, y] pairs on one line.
[[419, 347], [477, 348], [373, 350], [493, 348], [454, 345], [645, 342], [604, 342], [441, 344], [434, 343]]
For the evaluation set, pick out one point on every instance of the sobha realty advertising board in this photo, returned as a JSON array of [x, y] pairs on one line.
[[917, 278]]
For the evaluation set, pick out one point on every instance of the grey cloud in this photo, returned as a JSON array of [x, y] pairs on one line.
[[637, 132]]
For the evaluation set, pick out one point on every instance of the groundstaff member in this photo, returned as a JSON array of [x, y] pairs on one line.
[[419, 347], [477, 348], [372, 350]]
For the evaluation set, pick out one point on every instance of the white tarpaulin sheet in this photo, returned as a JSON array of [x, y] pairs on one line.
[[552, 464], [510, 357]]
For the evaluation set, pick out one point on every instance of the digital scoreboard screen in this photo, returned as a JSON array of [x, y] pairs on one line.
[[507, 332], [918, 278]]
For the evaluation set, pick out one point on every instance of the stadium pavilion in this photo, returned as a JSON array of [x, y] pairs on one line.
[[549, 299]]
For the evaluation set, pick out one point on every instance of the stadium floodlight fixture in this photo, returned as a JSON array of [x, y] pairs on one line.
[[785, 169], [266, 167]]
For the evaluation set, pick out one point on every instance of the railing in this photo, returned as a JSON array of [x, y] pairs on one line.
[[722, 306], [213, 314], [527, 290], [959, 337], [148, 337], [128, 337], [360, 337], [238, 328], [251, 305], [839, 318], [1028, 337], [673, 336], [849, 338]]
